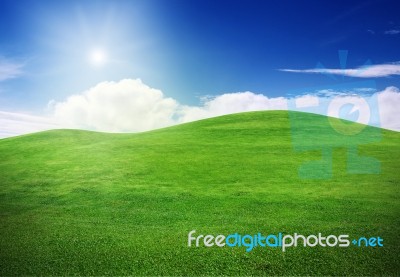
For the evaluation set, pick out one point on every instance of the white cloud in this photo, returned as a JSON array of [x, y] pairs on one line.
[[232, 103], [9, 70], [392, 32], [13, 124], [372, 71], [389, 104], [125, 106], [131, 106]]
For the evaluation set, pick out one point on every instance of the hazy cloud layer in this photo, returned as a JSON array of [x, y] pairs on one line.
[[13, 124], [9, 70], [392, 32], [379, 70]]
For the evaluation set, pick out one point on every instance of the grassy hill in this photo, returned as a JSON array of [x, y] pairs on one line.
[[77, 202]]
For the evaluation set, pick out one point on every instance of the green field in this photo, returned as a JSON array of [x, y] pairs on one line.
[[86, 203]]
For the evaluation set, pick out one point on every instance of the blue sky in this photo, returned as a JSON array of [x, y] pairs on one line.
[[189, 49]]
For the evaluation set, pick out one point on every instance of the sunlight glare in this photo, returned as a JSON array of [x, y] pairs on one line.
[[98, 57]]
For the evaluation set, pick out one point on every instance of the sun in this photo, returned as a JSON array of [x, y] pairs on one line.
[[98, 57]]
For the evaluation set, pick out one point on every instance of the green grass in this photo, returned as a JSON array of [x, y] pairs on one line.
[[85, 203]]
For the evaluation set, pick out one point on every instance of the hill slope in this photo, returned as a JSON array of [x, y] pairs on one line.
[[78, 202]]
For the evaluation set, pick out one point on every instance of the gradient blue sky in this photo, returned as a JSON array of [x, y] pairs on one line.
[[187, 49]]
